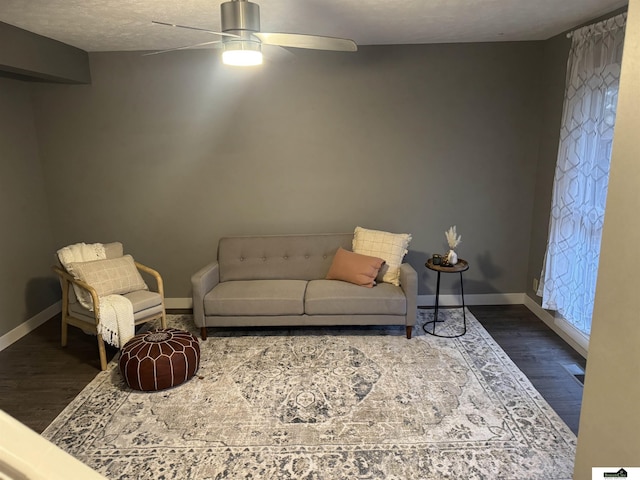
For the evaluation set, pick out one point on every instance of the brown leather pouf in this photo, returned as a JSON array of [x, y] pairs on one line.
[[159, 359]]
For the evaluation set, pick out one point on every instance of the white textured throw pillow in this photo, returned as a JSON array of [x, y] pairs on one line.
[[391, 247], [110, 276]]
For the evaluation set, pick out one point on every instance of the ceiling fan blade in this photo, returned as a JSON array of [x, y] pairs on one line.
[[274, 53], [185, 47], [195, 28], [314, 42]]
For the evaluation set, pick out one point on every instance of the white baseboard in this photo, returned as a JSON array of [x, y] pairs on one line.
[[481, 299], [30, 325], [178, 303], [423, 300], [550, 321], [49, 312]]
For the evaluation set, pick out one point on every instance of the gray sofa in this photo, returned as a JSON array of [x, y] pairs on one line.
[[279, 280]]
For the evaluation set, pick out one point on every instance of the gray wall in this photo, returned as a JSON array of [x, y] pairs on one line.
[[34, 56], [167, 153], [26, 284], [554, 69]]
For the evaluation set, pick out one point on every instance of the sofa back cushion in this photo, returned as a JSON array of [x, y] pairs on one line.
[[281, 257]]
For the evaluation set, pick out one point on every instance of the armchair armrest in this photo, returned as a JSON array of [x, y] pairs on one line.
[[67, 280], [409, 284], [202, 282], [154, 274]]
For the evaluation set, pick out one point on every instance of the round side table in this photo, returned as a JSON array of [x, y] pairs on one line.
[[461, 266]]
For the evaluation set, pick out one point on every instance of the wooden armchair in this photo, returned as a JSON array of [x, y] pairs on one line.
[[147, 305]]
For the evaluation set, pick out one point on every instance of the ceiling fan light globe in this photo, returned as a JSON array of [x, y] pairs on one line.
[[242, 53], [242, 58]]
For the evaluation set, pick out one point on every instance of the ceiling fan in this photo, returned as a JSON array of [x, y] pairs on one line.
[[242, 39]]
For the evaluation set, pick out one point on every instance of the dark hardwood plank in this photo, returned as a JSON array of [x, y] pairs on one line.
[[38, 378], [539, 353]]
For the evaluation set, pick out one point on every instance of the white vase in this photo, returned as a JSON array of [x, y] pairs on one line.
[[452, 257]]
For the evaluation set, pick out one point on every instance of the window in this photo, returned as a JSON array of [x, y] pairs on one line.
[[569, 274]]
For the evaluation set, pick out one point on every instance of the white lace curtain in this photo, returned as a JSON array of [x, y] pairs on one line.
[[568, 279]]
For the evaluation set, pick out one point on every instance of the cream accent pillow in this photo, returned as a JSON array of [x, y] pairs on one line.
[[354, 268], [110, 276], [391, 247]]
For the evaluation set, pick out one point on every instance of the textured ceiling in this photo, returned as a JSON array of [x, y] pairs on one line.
[[107, 25]]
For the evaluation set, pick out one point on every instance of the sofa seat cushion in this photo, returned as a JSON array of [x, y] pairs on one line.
[[256, 297], [333, 297]]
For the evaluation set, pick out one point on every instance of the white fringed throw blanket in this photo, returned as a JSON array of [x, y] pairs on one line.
[[116, 323]]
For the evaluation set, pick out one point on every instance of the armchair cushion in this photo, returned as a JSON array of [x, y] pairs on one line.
[[144, 302], [110, 276]]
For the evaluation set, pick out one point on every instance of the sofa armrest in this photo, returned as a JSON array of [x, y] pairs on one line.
[[409, 284], [202, 282]]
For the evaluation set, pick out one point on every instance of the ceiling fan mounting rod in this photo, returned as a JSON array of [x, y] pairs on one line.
[[240, 15]]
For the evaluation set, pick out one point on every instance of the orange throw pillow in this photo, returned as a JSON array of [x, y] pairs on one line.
[[354, 268]]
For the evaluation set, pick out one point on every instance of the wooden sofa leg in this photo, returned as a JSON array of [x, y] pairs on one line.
[[409, 328], [203, 332]]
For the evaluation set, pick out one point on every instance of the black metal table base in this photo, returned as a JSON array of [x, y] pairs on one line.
[[435, 313]]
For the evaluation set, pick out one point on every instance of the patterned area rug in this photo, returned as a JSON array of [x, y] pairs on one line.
[[326, 403]]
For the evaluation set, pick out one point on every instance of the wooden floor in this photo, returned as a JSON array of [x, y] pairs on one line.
[[540, 354], [38, 378]]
